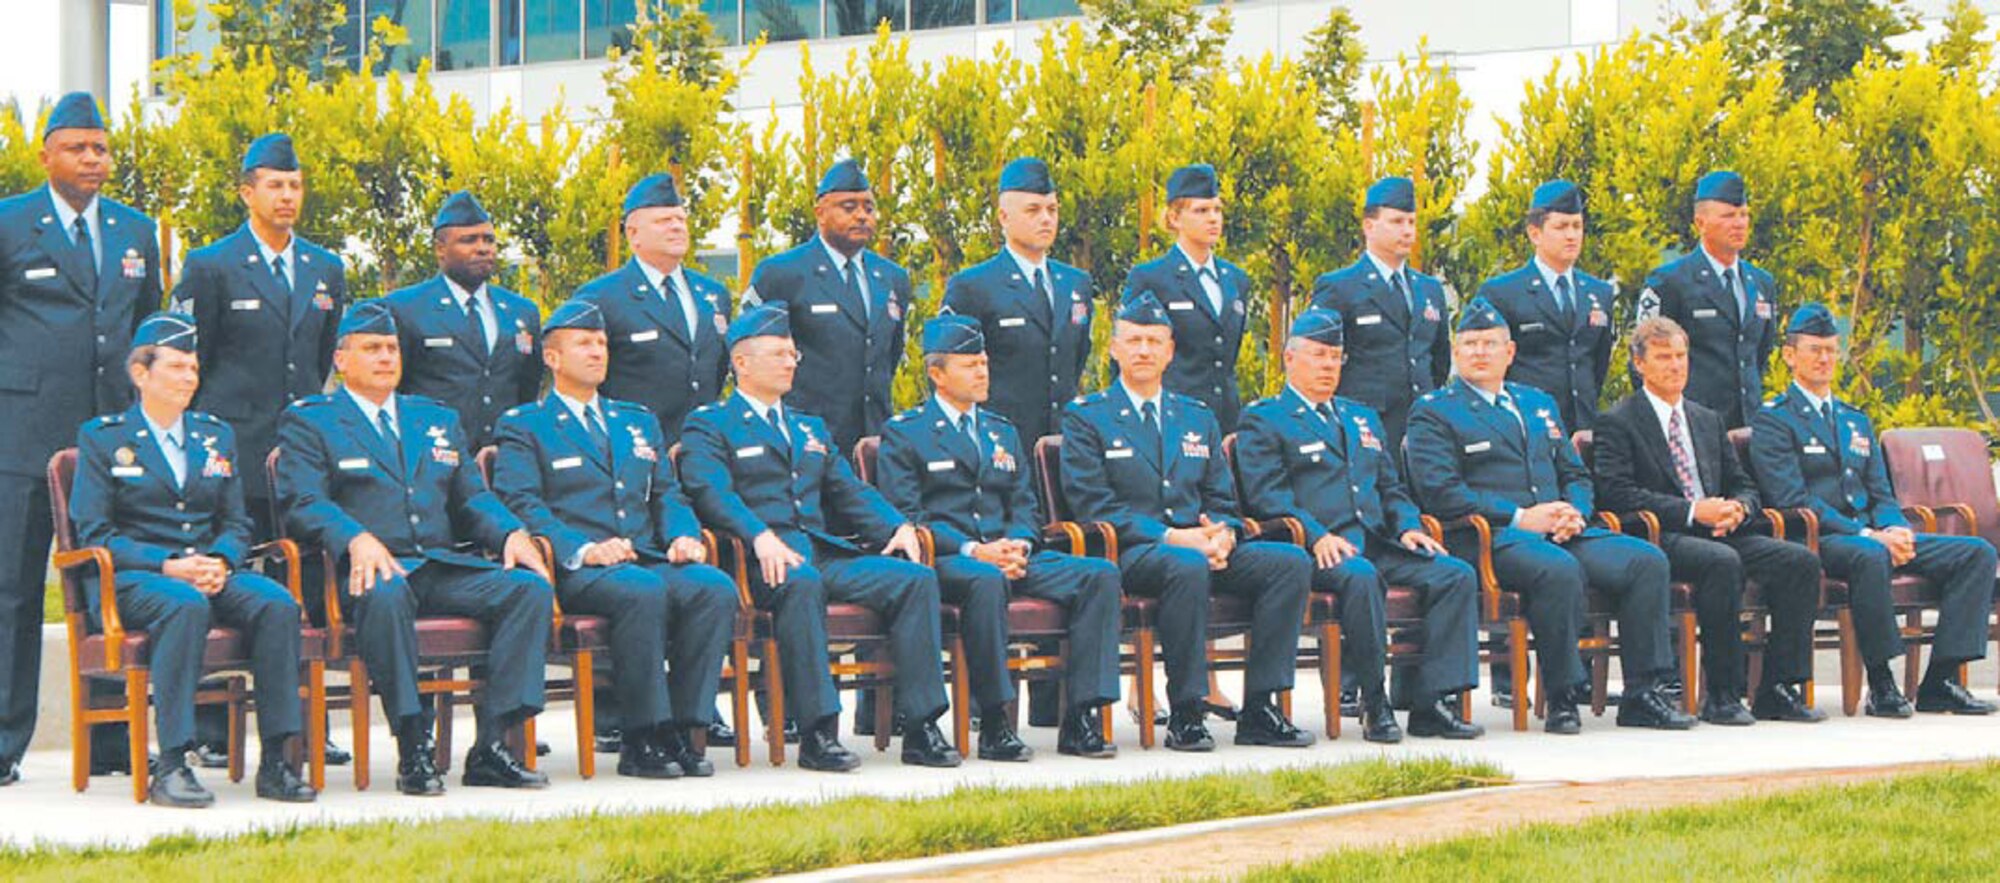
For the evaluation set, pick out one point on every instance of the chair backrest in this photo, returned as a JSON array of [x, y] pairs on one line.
[[865, 450], [271, 477], [1938, 467], [1584, 440], [1229, 459], [62, 476], [1048, 467], [1739, 438], [484, 460]]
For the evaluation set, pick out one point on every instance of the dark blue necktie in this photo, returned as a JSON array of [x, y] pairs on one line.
[[595, 425], [387, 425], [84, 246], [1149, 419], [1565, 302], [852, 274]]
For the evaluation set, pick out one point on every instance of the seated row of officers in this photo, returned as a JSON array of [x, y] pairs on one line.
[[380, 469]]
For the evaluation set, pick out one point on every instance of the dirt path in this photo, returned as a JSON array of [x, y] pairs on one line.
[[1232, 852]]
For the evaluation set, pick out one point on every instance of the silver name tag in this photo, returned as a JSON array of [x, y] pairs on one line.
[[40, 273], [566, 463], [643, 336], [1814, 449], [128, 471], [752, 451], [1370, 319], [1705, 314], [246, 304], [1013, 322], [1181, 305], [353, 463], [824, 308], [1313, 448], [1478, 447], [437, 341], [940, 465], [1117, 453]]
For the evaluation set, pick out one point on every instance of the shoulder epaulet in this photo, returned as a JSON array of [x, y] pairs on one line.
[[415, 399], [314, 401], [104, 421], [704, 409], [1432, 395], [1179, 399], [906, 416], [996, 417], [205, 417], [625, 405]]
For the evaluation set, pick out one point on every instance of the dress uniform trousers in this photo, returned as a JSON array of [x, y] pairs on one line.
[[176, 619], [1717, 568], [670, 627], [515, 606], [25, 533], [903, 592], [1087, 587], [1961, 567], [1274, 576], [1450, 590]]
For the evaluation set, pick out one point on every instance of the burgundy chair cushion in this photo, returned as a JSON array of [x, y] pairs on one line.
[[853, 622], [450, 636], [1030, 617], [585, 631], [1905, 590], [226, 649]]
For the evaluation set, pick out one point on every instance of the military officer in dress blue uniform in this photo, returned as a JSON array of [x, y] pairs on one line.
[[664, 320], [468, 343], [1483, 446], [1658, 452], [1726, 305], [1395, 316], [1149, 462], [771, 475], [385, 481], [1204, 295], [158, 485], [962, 469], [1811, 450], [1310, 455], [78, 272], [268, 302], [1561, 316], [1035, 311], [846, 304], [591, 474]]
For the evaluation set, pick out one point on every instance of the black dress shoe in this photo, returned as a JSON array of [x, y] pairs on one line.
[[416, 770], [609, 740], [209, 756], [493, 766], [1186, 732], [721, 735], [1350, 702], [1080, 736], [178, 788], [542, 749], [1436, 721], [10, 772], [1888, 702], [1265, 724], [998, 741], [674, 743], [1378, 720], [1785, 702], [118, 764], [1563, 719], [864, 724], [1503, 694], [791, 732], [278, 781], [821, 751], [336, 755], [1222, 710], [1723, 709], [924, 745], [641, 758], [1949, 697], [1651, 710]]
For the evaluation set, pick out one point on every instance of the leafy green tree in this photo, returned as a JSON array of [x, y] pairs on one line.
[[1178, 36], [20, 150], [1332, 62], [1817, 43]]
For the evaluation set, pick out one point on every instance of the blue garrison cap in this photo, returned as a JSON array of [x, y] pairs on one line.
[[168, 329], [1480, 315], [579, 314], [1027, 175], [1395, 192], [842, 177], [77, 110], [460, 210], [1812, 320], [1562, 197], [762, 320], [652, 191], [1319, 325], [953, 335], [367, 317], [1193, 182], [1721, 186], [274, 152], [1143, 310]]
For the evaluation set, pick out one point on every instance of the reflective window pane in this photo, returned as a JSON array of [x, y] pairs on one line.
[[607, 23], [1034, 9], [942, 13], [782, 19], [347, 39], [854, 17], [510, 31], [999, 11], [552, 30], [414, 16], [722, 14], [465, 34]]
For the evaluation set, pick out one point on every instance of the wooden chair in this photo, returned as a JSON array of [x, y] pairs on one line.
[[116, 652], [1944, 476], [445, 644]]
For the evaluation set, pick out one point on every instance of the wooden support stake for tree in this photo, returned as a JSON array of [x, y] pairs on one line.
[[1368, 140], [745, 244], [937, 242], [166, 250], [1146, 190], [616, 227]]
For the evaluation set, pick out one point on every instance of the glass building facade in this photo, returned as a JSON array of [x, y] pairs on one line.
[[474, 34]]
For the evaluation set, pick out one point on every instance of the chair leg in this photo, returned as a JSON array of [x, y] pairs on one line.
[[885, 717], [739, 698], [586, 715], [1690, 665], [137, 687], [316, 723], [79, 732], [1143, 644], [530, 757], [237, 728], [961, 697], [774, 721], [1517, 657], [1329, 676], [357, 709], [1600, 682], [1913, 650], [1850, 664]]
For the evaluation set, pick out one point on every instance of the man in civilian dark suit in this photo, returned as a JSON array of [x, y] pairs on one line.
[[1659, 452]]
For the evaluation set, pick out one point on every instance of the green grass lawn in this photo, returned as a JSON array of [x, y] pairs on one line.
[[742, 843], [1929, 827], [52, 604]]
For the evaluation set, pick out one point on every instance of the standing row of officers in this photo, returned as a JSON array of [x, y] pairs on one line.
[[174, 415]]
